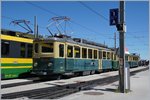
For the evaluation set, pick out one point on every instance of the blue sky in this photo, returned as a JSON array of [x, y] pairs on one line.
[[98, 30]]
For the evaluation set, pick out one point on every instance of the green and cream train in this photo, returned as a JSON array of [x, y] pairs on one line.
[[62, 55], [16, 53], [57, 55]]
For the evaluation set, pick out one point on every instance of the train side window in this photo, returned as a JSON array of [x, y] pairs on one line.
[[104, 55], [22, 50], [89, 53], [115, 57], [5, 48], [112, 56], [61, 50], [36, 47], [77, 52], [100, 54], [108, 55], [29, 52], [84, 53], [95, 54], [70, 51]]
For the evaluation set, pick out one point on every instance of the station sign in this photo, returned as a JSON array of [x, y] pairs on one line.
[[113, 15]]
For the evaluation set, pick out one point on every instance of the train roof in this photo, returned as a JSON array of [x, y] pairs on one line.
[[77, 41], [133, 54], [17, 33]]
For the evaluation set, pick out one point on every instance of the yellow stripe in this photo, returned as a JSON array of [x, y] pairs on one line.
[[16, 60], [16, 67], [18, 39]]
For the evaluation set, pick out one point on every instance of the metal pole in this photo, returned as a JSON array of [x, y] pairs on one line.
[[37, 32], [35, 27], [115, 40], [122, 55]]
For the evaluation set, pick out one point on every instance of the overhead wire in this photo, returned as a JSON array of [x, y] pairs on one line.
[[88, 7], [93, 10], [44, 9], [53, 13], [28, 2]]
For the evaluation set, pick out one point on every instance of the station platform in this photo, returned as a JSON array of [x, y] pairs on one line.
[[56, 82], [140, 90]]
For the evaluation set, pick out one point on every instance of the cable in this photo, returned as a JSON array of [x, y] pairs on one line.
[[93, 10], [59, 15], [42, 8], [91, 30]]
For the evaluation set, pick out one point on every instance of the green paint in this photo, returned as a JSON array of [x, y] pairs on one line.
[[16, 64], [106, 64], [13, 73], [61, 65]]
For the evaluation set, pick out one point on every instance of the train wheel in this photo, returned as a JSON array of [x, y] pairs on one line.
[[58, 77], [92, 72], [86, 73]]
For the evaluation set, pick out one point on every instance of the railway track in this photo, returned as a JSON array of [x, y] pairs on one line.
[[60, 91]]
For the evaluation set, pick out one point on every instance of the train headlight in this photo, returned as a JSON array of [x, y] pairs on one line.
[[49, 64], [35, 64], [44, 73]]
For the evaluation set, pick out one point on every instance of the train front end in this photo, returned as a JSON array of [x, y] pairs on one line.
[[43, 57]]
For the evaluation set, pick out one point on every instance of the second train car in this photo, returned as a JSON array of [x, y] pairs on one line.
[[16, 53]]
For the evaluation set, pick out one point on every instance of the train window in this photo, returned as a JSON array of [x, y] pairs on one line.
[[89, 53], [115, 57], [70, 51], [36, 46], [95, 54], [112, 56], [22, 50], [108, 55], [131, 58], [29, 52], [77, 52], [104, 55], [5, 48], [47, 47], [100, 54], [61, 50], [84, 53], [135, 58]]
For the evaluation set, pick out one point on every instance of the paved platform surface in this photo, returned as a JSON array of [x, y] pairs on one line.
[[140, 90], [55, 82]]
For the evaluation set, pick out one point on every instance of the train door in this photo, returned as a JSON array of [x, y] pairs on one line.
[[77, 60], [69, 58], [100, 61], [62, 59]]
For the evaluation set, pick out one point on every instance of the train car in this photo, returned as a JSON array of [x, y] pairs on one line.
[[143, 63], [65, 56], [132, 59], [16, 53], [62, 55]]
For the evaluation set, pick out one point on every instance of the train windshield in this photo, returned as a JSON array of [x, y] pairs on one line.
[[47, 47]]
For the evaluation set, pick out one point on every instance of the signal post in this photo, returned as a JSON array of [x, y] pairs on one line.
[[124, 73]]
